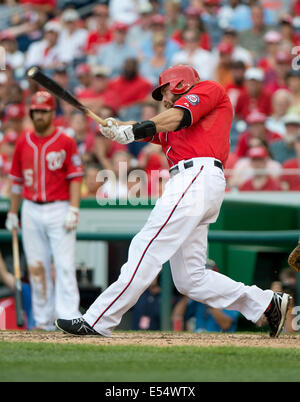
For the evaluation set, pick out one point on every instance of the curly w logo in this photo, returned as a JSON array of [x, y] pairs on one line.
[[56, 159]]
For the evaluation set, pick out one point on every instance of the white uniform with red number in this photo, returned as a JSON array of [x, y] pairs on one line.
[[42, 168], [178, 224]]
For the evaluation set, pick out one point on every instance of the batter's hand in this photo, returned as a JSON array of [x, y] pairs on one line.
[[121, 134], [12, 221], [71, 219]]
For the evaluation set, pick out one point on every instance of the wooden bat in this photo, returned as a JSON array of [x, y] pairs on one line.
[[57, 90], [17, 275]]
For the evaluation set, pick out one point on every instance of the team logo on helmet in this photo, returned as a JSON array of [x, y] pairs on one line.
[[193, 99]]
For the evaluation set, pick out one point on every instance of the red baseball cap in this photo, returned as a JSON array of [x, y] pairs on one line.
[[42, 100], [83, 69], [120, 26], [158, 19], [6, 35], [256, 117], [15, 111], [225, 47], [10, 137], [258, 153]]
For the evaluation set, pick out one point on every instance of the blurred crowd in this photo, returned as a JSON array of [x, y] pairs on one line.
[[110, 54]]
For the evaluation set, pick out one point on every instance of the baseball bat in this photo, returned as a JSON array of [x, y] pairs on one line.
[[57, 90], [17, 275]]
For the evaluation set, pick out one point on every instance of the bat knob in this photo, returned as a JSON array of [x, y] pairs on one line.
[[32, 72]]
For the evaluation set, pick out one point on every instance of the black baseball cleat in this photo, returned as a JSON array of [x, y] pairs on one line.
[[276, 312], [77, 326]]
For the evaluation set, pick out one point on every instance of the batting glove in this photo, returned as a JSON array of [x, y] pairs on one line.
[[121, 134], [109, 131], [124, 134], [71, 219], [12, 221]]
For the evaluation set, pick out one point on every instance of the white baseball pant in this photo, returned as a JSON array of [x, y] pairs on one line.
[[45, 240], [176, 230]]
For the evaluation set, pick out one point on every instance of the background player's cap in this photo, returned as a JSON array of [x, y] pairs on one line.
[[181, 79], [42, 100]]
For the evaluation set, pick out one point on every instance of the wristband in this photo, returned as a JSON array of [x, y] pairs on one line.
[[144, 129]]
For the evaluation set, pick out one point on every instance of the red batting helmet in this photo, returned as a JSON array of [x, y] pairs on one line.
[[42, 100], [181, 79]]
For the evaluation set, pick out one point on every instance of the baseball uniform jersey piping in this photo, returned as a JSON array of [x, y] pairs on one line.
[[43, 163], [147, 247], [35, 159], [16, 178]]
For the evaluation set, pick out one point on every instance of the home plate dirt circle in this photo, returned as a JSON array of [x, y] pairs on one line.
[[157, 339]]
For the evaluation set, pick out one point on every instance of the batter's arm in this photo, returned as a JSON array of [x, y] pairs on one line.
[[169, 120]]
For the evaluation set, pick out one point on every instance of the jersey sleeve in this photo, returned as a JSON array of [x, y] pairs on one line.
[[154, 139], [73, 162], [201, 100]]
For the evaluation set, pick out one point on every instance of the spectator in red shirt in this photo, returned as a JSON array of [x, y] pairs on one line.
[[7, 147], [237, 86], [99, 92], [267, 62], [102, 33], [14, 117], [130, 88], [256, 128], [276, 78], [193, 21], [291, 179], [84, 76], [286, 28], [260, 181], [223, 71], [255, 96], [242, 169]]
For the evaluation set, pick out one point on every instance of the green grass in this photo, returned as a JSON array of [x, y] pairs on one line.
[[55, 362]]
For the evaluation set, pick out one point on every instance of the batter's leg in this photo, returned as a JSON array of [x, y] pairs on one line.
[[38, 258], [192, 279], [170, 223]]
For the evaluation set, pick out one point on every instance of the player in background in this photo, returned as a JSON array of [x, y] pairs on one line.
[[194, 134], [47, 172]]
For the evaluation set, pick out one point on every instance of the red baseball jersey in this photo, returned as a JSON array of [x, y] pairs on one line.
[[208, 135], [44, 166]]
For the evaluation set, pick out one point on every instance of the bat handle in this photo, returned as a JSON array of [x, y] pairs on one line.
[[95, 117]]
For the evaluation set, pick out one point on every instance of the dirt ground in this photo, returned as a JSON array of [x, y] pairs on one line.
[[157, 339]]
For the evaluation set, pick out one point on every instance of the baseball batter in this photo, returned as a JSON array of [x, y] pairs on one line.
[[194, 134], [47, 172]]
